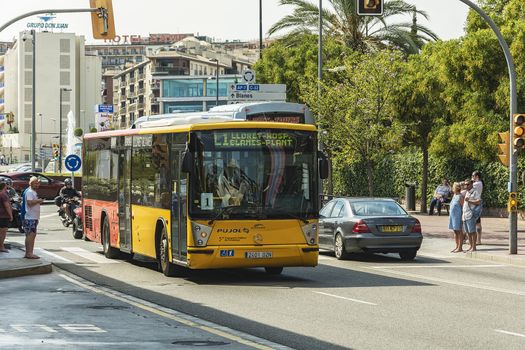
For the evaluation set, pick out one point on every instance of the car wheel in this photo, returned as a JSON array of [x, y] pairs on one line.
[[167, 268], [408, 255], [109, 251], [274, 270], [339, 247]]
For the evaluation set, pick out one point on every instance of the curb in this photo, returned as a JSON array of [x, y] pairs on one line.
[[506, 259], [38, 268], [27, 271]]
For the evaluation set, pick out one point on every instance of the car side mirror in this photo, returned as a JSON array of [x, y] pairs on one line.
[[323, 165]]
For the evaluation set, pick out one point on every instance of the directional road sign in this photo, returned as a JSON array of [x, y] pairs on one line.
[[73, 162], [272, 88]]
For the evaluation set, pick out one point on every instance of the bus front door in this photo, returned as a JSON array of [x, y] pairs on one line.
[[124, 194], [178, 206]]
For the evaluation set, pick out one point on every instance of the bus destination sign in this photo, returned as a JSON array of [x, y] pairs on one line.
[[241, 139]]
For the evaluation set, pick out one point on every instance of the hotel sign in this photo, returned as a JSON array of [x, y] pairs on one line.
[[152, 39]]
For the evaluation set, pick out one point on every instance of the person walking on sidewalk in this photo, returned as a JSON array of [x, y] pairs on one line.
[[32, 216], [6, 215], [456, 212], [471, 212], [478, 185]]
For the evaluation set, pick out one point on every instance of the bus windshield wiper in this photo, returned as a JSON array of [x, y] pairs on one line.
[[221, 212], [282, 211]]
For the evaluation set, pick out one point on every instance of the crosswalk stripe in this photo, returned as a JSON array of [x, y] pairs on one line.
[[95, 257]]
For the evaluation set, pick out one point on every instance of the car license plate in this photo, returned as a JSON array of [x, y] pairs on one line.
[[258, 255], [395, 228]]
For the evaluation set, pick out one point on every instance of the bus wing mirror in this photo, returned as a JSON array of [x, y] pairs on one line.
[[187, 162], [323, 166]]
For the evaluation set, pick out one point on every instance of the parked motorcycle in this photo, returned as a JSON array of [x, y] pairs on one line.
[[16, 204]]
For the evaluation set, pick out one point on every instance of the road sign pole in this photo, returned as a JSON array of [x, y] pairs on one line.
[[513, 171]]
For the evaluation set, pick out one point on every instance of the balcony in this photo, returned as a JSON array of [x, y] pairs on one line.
[[160, 70], [141, 91], [140, 106], [141, 77], [122, 83], [122, 110], [132, 93]]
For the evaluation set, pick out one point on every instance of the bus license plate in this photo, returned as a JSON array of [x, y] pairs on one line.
[[258, 255]]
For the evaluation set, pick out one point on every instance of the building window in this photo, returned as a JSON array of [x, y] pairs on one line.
[[183, 88]]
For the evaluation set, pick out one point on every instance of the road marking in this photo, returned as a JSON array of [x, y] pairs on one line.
[[95, 257], [322, 257], [345, 298], [48, 216], [54, 257], [173, 315], [434, 266], [510, 333], [462, 284]]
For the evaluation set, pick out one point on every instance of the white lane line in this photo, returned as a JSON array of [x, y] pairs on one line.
[[187, 320], [345, 298], [95, 257], [48, 216], [434, 266], [510, 333], [457, 283], [54, 257]]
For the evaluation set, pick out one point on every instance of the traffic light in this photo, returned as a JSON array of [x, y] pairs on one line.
[[519, 131], [55, 153], [513, 202], [370, 7], [102, 21], [504, 148]]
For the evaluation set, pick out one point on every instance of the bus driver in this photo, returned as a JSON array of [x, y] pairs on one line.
[[231, 185]]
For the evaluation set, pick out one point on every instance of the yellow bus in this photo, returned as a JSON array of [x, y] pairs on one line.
[[205, 190]]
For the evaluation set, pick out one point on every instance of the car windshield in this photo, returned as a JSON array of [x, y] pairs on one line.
[[377, 208], [259, 173]]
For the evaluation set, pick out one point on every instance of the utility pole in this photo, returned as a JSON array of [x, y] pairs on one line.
[[33, 103]]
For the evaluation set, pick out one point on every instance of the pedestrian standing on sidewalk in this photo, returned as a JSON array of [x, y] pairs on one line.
[[32, 216], [471, 212], [6, 215], [456, 212], [478, 185]]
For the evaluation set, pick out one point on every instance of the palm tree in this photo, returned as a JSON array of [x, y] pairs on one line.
[[361, 33]]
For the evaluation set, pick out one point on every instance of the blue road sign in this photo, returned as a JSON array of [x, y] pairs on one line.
[[105, 108], [253, 87], [73, 162], [241, 87]]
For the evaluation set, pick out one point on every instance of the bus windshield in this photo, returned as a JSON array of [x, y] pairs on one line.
[[254, 173]]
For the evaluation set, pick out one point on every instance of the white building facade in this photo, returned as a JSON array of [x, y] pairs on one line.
[[63, 72]]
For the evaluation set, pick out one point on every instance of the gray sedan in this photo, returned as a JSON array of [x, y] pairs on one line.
[[375, 225]]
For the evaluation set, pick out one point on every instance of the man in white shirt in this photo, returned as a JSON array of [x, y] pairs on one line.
[[471, 212], [32, 216], [478, 186]]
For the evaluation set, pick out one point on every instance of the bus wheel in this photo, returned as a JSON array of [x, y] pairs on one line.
[[167, 268], [109, 251], [274, 270]]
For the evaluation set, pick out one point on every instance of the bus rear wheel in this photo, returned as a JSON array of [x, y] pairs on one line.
[[167, 268], [109, 251], [274, 270]]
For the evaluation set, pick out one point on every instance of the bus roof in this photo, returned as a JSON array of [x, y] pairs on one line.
[[260, 111]]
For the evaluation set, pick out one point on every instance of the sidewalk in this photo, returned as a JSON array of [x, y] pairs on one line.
[[13, 264], [494, 239]]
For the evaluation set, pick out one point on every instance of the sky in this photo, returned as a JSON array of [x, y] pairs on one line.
[[220, 19]]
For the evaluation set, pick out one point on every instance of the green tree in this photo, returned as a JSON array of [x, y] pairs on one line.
[[361, 33], [292, 65], [421, 109], [356, 110]]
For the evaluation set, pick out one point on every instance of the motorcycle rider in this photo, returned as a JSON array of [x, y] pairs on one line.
[[67, 193], [11, 192]]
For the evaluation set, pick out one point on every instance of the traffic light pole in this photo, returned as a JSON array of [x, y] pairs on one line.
[[39, 12], [513, 170]]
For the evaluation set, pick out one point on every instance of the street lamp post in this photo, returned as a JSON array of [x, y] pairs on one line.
[[33, 103], [60, 131]]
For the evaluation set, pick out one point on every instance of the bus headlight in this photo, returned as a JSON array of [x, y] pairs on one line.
[[201, 233], [310, 232]]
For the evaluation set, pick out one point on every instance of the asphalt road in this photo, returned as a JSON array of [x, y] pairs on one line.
[[439, 301]]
